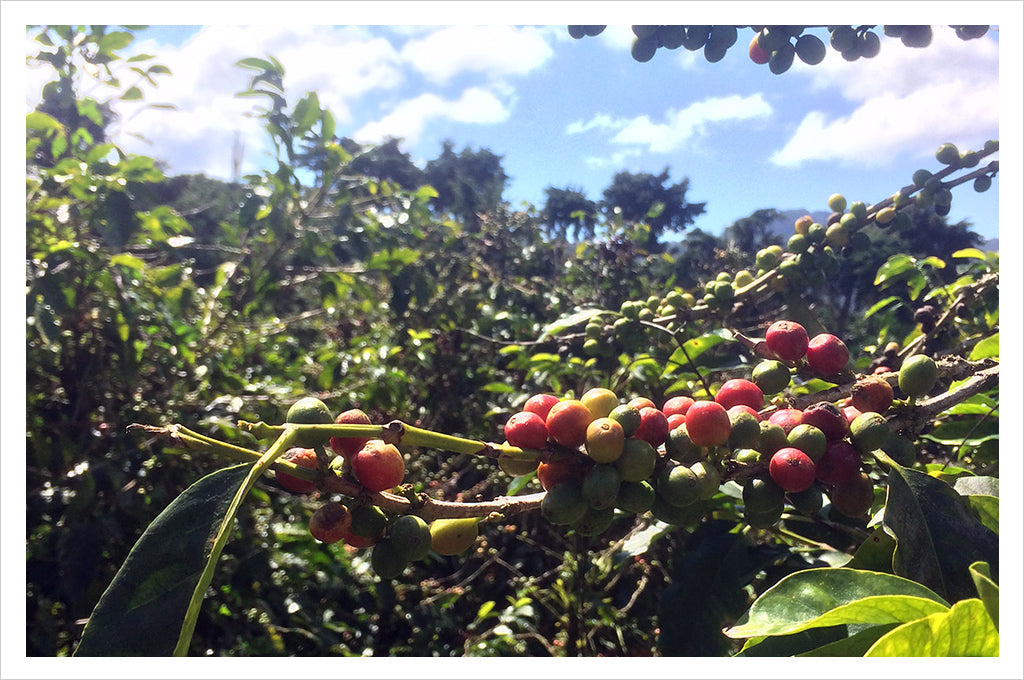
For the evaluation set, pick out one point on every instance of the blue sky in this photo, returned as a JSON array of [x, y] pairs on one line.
[[571, 113]]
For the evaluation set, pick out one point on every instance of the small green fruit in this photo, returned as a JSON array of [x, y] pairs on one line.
[[771, 376], [947, 154], [808, 439], [635, 497], [601, 486], [837, 203], [453, 536], [564, 503], [310, 411], [385, 560], [917, 375], [595, 521], [679, 486], [869, 431], [637, 460], [410, 536]]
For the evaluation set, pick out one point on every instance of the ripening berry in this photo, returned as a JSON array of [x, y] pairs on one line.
[[740, 391], [707, 423], [787, 340], [526, 430], [792, 469]]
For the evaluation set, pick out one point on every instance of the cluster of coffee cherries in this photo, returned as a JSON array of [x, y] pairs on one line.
[[395, 541], [597, 455]]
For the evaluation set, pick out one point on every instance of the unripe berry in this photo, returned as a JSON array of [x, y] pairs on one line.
[[827, 354], [771, 376], [600, 401], [810, 440], [604, 440], [628, 417], [411, 537], [869, 431], [787, 340], [453, 536], [310, 411], [637, 461], [918, 375], [791, 469], [707, 423]]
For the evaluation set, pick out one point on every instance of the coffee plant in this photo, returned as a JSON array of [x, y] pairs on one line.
[[699, 459]]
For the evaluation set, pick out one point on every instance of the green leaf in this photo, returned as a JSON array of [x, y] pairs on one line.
[[970, 252], [986, 509], [38, 121], [568, 321], [965, 630], [255, 64], [854, 645], [875, 553], [880, 305], [989, 347], [694, 347], [141, 612], [833, 596], [132, 94], [988, 590], [500, 387], [520, 483], [893, 267], [114, 41], [937, 537], [977, 486]]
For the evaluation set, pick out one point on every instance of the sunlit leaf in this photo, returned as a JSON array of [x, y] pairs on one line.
[[965, 630]]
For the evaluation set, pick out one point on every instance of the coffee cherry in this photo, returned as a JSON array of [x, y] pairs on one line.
[[808, 439], [748, 456], [808, 501], [300, 456], [787, 419], [676, 515], [947, 154], [453, 536], [740, 391], [526, 430], [628, 417], [515, 467], [768, 258], [677, 405], [310, 411], [850, 413], [635, 497], [653, 426], [827, 354], [678, 485], [839, 464], [744, 428], [982, 183], [791, 469], [707, 423], [916, 36], [368, 523], [918, 375], [564, 503], [385, 560], [567, 422], [378, 466], [643, 49], [810, 49], [346, 446], [560, 467], [770, 376], [604, 440], [871, 394], [869, 431], [836, 202], [330, 522], [854, 496], [761, 494], [595, 521], [680, 447], [709, 479], [637, 461], [787, 340], [541, 404], [601, 485], [600, 401], [641, 403], [758, 54], [781, 59], [411, 537], [827, 417]]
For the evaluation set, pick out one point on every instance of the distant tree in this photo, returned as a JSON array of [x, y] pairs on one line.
[[468, 183], [750, 234], [698, 258], [643, 197], [569, 209], [384, 162]]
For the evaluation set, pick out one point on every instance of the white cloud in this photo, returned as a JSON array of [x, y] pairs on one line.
[[907, 101], [679, 126], [409, 118], [493, 50]]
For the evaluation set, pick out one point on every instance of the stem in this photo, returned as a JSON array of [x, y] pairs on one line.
[[192, 614]]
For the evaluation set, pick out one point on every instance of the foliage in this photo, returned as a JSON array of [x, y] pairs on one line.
[[197, 310]]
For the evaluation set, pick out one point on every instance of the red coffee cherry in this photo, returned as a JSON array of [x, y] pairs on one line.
[[828, 418], [307, 459], [745, 409], [740, 391], [561, 467], [379, 466], [526, 430], [675, 420], [839, 464], [567, 422], [347, 446], [330, 522], [541, 404], [827, 354], [787, 418], [871, 394], [653, 426], [792, 469], [707, 423], [677, 405], [640, 403], [787, 340]]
